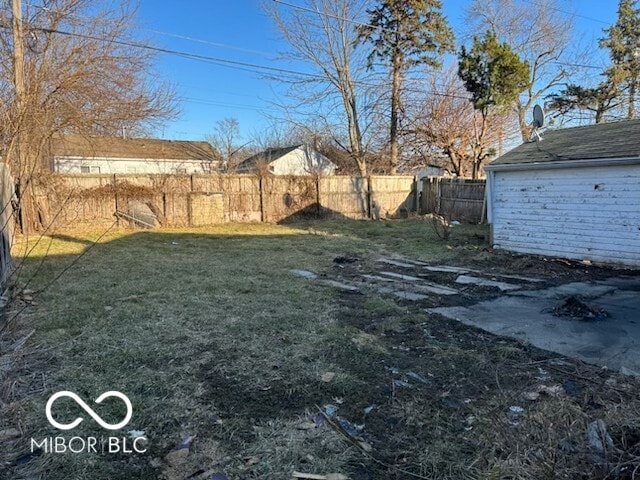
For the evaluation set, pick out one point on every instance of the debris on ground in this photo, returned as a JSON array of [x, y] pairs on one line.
[[598, 437], [313, 476], [483, 282], [303, 274], [342, 259], [574, 307], [342, 286], [327, 377]]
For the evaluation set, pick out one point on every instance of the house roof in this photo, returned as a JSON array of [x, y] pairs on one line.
[[603, 141], [143, 148], [266, 156]]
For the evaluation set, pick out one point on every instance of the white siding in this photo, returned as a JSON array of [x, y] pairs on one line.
[[302, 161], [585, 213], [128, 165]]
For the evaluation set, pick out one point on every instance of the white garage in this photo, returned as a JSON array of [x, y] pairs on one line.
[[574, 194]]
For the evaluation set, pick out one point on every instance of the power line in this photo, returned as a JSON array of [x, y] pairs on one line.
[[566, 12], [247, 66], [161, 32], [195, 56]]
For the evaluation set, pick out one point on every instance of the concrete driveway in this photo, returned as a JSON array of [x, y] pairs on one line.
[[613, 341]]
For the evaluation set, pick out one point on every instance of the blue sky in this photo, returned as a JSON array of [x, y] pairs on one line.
[[239, 30]]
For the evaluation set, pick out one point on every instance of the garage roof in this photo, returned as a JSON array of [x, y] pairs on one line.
[[606, 140]]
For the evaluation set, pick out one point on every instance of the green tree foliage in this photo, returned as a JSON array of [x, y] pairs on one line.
[[403, 34], [621, 79], [623, 42], [494, 76]]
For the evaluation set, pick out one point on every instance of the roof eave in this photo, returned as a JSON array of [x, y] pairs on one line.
[[545, 165]]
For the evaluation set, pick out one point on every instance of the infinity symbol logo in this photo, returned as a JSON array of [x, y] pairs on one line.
[[86, 408]]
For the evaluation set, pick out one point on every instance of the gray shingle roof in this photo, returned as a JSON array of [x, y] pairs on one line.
[[142, 148], [608, 140]]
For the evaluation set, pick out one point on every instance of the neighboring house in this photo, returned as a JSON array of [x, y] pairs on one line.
[[574, 194], [294, 160], [84, 154]]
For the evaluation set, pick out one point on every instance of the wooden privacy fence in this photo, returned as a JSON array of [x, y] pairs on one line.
[[458, 199], [7, 223], [197, 200]]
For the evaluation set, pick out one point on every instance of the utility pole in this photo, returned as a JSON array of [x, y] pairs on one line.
[[19, 159], [18, 52]]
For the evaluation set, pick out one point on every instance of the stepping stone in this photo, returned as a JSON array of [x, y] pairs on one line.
[[341, 286], [446, 269], [436, 289], [405, 278], [483, 282], [304, 274], [396, 263], [520, 277], [409, 295], [378, 278]]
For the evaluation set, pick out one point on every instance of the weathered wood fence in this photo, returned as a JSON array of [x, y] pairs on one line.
[[197, 200], [454, 198], [7, 223]]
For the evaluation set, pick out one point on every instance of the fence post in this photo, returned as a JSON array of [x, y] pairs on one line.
[[369, 198], [115, 195], [262, 210], [318, 209]]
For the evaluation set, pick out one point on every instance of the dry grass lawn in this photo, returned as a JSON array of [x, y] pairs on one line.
[[210, 336]]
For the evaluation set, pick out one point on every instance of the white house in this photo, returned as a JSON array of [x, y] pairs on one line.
[[574, 194], [86, 154], [294, 160]]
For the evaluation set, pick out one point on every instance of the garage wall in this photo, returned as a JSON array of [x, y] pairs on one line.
[[586, 213]]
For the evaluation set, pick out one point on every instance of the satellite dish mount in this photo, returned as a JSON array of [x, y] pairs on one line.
[[538, 121]]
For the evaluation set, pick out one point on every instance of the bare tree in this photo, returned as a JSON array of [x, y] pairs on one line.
[[225, 139], [321, 33], [541, 34], [77, 77], [444, 128]]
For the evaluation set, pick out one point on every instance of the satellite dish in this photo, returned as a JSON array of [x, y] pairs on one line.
[[538, 116]]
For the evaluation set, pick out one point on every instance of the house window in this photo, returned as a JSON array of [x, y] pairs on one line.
[[132, 170], [89, 169], [95, 169], [181, 171]]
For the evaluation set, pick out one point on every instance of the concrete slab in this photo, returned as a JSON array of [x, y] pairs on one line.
[[399, 276], [613, 342], [483, 282], [435, 288], [447, 269], [378, 278], [583, 289]]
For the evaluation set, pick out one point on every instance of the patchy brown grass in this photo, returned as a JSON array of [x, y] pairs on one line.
[[209, 335]]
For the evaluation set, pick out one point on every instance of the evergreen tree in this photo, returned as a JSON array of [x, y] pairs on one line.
[[494, 76], [623, 42], [403, 34]]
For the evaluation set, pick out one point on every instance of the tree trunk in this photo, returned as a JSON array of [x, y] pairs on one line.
[[395, 107], [632, 100]]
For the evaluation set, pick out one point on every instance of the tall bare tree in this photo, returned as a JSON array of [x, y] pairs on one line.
[[322, 34], [540, 33], [77, 78]]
